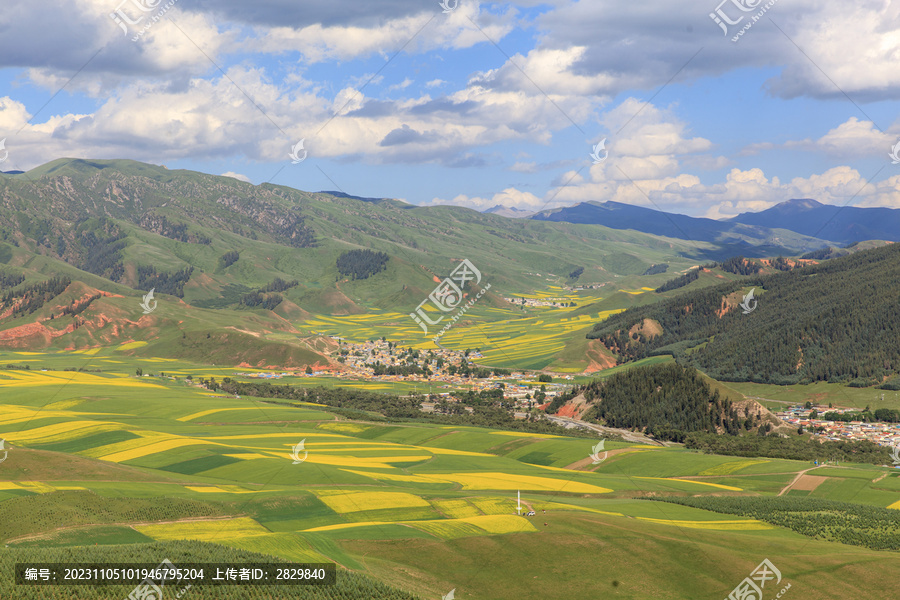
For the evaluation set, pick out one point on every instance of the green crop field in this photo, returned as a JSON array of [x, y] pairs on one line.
[[109, 460]]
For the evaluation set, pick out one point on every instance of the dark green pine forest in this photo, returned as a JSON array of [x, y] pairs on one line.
[[666, 401], [835, 321]]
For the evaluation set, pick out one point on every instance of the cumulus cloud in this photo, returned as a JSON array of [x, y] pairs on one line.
[[510, 197], [236, 176], [647, 162], [645, 44], [412, 30]]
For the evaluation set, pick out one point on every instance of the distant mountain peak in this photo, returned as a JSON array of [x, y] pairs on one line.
[[802, 202], [508, 211]]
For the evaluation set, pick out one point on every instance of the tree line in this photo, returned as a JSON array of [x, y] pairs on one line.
[[33, 297], [164, 283], [790, 448], [361, 264], [681, 281], [856, 524], [392, 407]]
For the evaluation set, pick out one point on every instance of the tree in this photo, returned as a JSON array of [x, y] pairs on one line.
[[139, 372], [309, 370]]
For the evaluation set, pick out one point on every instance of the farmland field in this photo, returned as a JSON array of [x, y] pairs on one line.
[[112, 459]]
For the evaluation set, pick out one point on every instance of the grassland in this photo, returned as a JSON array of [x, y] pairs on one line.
[[112, 459]]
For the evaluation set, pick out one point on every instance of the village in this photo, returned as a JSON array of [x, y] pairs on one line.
[[881, 433], [440, 372], [444, 374]]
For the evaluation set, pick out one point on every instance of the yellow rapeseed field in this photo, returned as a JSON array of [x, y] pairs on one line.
[[521, 434], [510, 481], [730, 467], [44, 378], [370, 462], [131, 345], [501, 523], [492, 481], [728, 525], [204, 531], [61, 431], [348, 427], [203, 413], [345, 502], [393, 477], [716, 485], [453, 452], [152, 448], [38, 487], [64, 404], [493, 505], [455, 508], [349, 525], [470, 526], [222, 489]]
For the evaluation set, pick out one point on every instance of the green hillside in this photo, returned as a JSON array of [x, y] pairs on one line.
[[833, 321], [257, 268]]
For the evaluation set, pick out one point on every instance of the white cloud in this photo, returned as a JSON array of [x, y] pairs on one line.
[[524, 167], [417, 32], [236, 176], [510, 197]]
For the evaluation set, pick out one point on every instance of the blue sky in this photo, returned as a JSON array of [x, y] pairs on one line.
[[481, 105]]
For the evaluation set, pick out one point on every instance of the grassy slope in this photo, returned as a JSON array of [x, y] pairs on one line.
[[670, 550]]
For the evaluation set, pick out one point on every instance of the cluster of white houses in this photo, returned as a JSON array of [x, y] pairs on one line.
[[883, 434]]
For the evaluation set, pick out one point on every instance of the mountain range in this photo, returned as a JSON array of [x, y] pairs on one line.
[[777, 225], [82, 240]]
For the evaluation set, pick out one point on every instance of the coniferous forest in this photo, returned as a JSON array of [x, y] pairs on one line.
[[666, 401], [361, 264], [835, 321]]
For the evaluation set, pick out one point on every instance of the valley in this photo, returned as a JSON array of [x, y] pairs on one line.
[[208, 384]]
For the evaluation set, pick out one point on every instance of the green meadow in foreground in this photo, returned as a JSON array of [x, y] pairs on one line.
[[105, 465]]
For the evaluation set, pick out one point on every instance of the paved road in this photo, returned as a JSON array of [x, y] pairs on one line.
[[627, 435]]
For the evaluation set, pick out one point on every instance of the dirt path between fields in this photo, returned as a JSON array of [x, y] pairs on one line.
[[804, 485], [588, 460]]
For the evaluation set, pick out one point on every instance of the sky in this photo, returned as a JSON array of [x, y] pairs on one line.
[[703, 108]]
